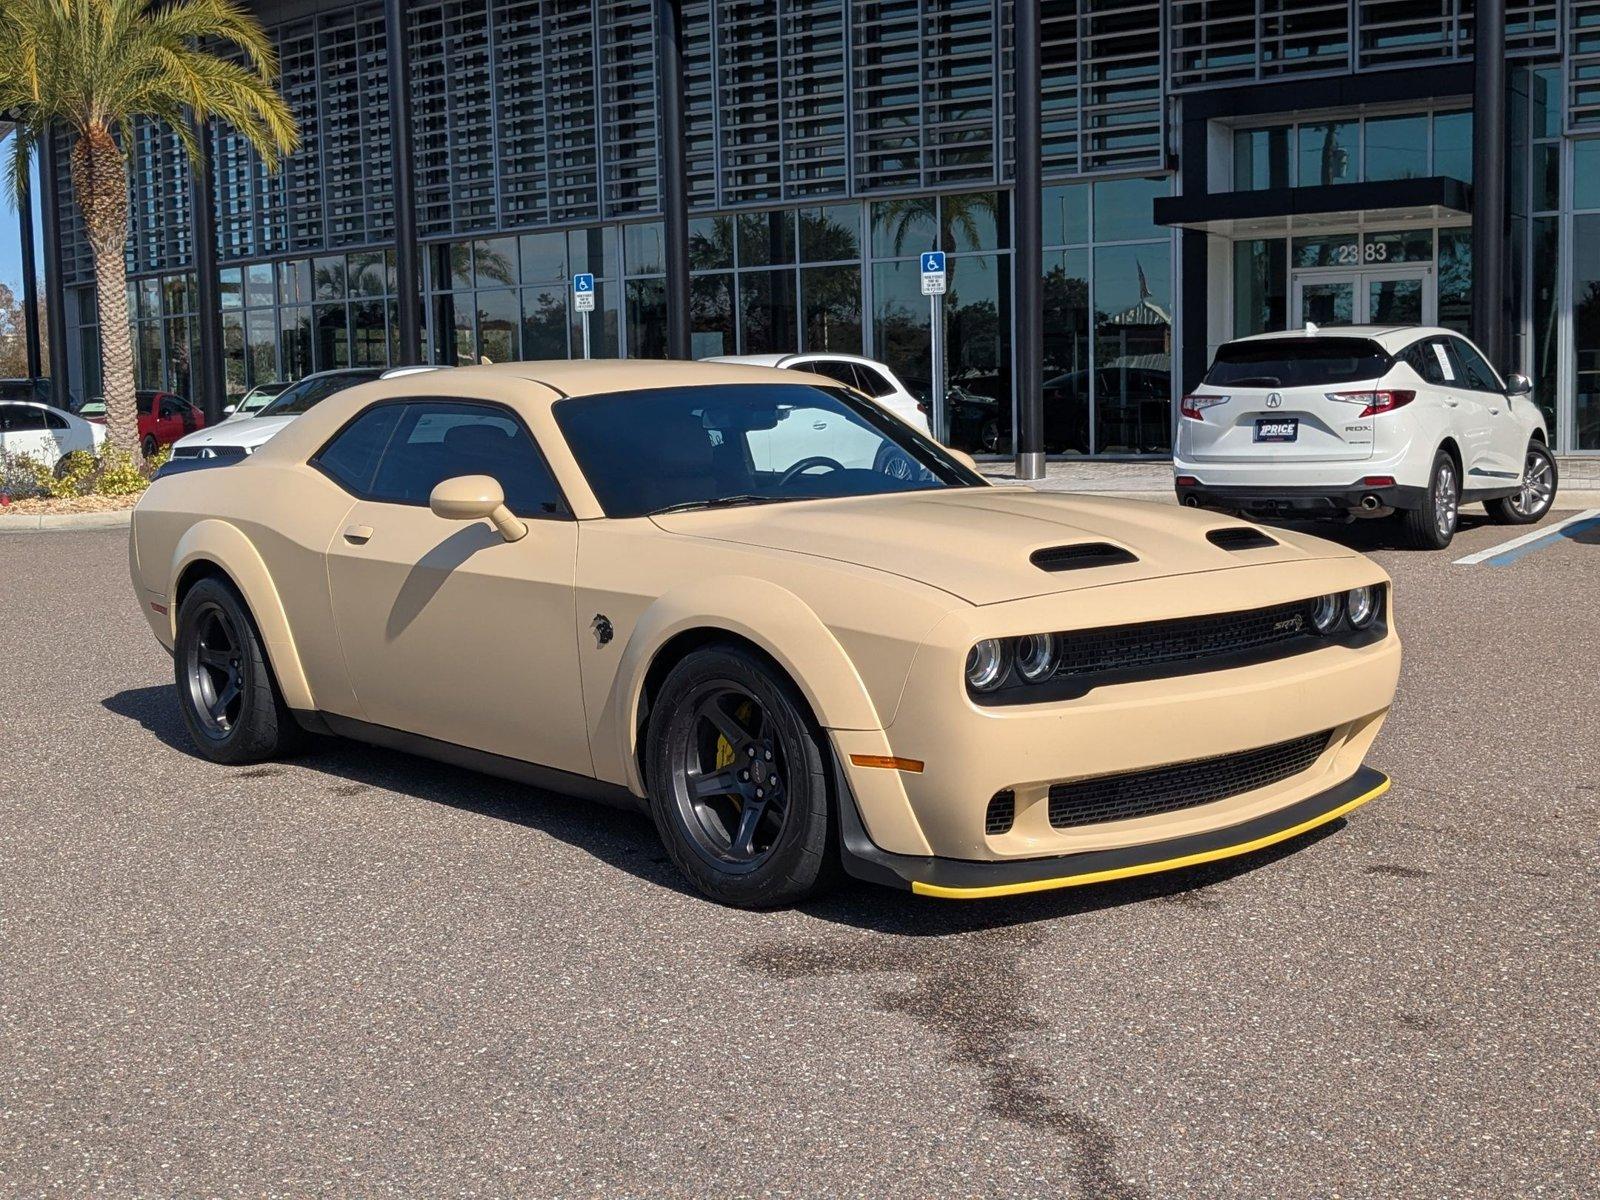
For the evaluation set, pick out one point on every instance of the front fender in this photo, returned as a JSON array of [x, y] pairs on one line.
[[761, 612], [224, 545]]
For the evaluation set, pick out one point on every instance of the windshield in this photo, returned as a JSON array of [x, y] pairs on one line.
[[1297, 362], [701, 447], [312, 390]]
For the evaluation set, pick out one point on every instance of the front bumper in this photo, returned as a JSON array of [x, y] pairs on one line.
[[956, 879], [1310, 501]]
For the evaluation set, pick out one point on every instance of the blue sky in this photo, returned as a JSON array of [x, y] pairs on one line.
[[11, 237]]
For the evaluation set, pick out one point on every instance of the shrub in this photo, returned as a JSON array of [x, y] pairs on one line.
[[80, 473]]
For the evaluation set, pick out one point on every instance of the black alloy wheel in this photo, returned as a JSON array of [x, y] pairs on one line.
[[226, 691], [738, 787], [213, 671], [728, 778]]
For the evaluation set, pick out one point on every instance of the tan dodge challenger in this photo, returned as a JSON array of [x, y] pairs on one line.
[[687, 587]]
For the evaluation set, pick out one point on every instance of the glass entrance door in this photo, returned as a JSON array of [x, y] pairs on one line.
[[1381, 296]]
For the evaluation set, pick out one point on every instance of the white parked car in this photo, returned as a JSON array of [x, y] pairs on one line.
[[253, 401], [851, 446], [1364, 420], [44, 433], [231, 440]]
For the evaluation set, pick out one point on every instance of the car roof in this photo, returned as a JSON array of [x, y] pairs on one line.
[[778, 360], [594, 377], [1390, 337]]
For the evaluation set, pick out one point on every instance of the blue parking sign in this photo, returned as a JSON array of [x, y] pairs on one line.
[[933, 262], [585, 283]]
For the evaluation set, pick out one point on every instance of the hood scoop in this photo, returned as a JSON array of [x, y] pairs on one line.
[[1241, 537], [1080, 556]]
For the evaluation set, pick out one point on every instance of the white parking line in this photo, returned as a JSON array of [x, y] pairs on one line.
[[1534, 536]]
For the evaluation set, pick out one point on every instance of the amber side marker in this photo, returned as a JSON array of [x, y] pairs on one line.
[[160, 608], [888, 762]]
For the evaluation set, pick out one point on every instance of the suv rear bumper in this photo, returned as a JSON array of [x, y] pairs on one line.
[[1307, 501]]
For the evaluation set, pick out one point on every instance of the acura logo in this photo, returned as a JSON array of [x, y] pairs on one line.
[[1274, 400]]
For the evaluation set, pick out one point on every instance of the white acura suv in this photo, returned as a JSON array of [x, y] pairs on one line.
[[1366, 421]]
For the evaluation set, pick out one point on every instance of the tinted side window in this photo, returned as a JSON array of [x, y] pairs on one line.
[[439, 440], [1429, 359], [20, 418], [55, 420], [873, 382], [844, 372], [352, 457], [1476, 373]]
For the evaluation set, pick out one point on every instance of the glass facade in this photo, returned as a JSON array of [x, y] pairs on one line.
[[828, 142]]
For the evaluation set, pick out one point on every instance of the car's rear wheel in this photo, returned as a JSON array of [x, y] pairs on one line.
[[894, 462], [149, 445], [1432, 525], [229, 699], [737, 780], [1537, 494]]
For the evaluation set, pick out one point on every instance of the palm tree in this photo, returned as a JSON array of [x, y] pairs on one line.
[[92, 67]]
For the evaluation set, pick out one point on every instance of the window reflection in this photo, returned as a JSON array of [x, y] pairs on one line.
[[1133, 349], [1066, 352]]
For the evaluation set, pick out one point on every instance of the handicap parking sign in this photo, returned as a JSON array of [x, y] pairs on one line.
[[583, 292], [933, 276]]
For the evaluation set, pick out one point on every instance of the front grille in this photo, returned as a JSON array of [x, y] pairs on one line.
[[1182, 785], [1002, 813], [1133, 647]]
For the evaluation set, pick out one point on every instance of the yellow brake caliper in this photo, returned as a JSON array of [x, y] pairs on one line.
[[725, 748]]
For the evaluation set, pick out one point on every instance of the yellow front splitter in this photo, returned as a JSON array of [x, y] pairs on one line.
[[952, 880]]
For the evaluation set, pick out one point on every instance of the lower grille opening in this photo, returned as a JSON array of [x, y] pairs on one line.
[[1002, 812], [1182, 785]]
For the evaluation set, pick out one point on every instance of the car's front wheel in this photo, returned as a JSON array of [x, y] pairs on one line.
[[1537, 494], [1432, 524], [737, 780], [149, 446], [229, 699]]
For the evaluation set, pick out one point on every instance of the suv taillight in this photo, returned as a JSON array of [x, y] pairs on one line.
[[1194, 407], [1374, 403]]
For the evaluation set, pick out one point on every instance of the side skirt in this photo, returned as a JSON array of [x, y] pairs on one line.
[[533, 774]]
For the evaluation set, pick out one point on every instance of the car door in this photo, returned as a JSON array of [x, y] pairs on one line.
[[1504, 436], [24, 430], [448, 630]]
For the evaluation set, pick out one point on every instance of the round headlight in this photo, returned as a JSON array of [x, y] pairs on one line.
[[1325, 615], [1362, 605], [1036, 656], [986, 665]]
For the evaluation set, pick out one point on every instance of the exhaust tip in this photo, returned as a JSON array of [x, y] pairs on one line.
[[1370, 503], [1191, 502]]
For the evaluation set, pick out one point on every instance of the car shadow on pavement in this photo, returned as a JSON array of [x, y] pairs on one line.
[[627, 840], [1369, 535]]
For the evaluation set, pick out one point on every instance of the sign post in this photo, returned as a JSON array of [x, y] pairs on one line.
[[583, 303], [933, 287]]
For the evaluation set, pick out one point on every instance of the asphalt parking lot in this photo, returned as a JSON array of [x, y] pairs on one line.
[[364, 974]]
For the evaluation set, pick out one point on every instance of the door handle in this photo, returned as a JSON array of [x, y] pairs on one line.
[[1494, 412], [357, 535], [819, 424], [1449, 403]]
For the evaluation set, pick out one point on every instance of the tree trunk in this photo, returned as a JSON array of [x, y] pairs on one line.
[[100, 188]]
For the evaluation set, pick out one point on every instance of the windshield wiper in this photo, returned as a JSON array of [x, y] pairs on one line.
[[717, 502]]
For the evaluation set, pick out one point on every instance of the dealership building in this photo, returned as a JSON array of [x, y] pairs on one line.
[[1119, 185]]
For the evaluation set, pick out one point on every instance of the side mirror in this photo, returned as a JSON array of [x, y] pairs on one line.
[[962, 457], [1519, 385], [476, 498], [229, 410]]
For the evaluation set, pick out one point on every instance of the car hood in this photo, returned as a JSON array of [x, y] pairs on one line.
[[247, 431], [977, 543]]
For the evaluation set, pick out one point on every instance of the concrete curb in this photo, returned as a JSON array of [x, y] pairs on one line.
[[47, 522]]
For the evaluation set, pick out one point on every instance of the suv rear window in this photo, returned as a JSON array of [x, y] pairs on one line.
[[1297, 362]]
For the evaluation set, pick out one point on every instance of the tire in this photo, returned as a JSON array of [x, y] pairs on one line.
[[226, 692], [720, 712], [1537, 495], [1432, 525], [149, 445], [895, 463]]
